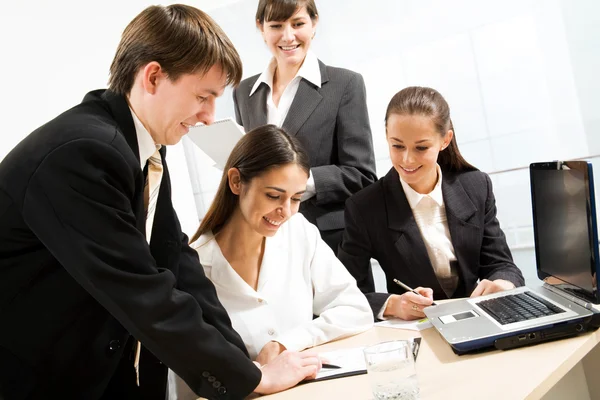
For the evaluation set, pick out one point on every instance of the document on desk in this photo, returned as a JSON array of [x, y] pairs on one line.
[[351, 361], [217, 139], [397, 323]]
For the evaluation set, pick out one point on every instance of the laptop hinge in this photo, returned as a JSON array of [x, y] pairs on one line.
[[568, 296]]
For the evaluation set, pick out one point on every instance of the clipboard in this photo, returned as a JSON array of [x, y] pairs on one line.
[[217, 139]]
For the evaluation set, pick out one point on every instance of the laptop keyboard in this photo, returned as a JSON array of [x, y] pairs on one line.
[[518, 307]]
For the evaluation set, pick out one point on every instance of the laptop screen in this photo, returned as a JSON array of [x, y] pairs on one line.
[[566, 243]]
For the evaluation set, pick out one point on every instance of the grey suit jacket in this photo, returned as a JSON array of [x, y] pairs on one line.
[[380, 225], [332, 123]]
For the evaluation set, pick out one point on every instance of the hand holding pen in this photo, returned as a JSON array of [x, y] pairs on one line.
[[409, 289], [410, 305]]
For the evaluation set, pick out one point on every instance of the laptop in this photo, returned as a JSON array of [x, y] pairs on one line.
[[566, 249]]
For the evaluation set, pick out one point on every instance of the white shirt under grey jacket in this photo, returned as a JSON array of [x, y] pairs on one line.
[[276, 114], [299, 277]]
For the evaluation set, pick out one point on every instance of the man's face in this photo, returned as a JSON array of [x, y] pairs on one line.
[[174, 106]]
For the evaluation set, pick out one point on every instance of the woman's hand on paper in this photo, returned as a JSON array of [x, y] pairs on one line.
[[409, 306], [287, 369]]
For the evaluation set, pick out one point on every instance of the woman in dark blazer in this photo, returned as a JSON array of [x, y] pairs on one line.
[[323, 107], [431, 221]]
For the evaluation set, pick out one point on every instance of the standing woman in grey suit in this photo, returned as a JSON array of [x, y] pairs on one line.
[[431, 221], [323, 107]]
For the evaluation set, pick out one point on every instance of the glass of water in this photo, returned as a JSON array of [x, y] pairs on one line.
[[391, 370]]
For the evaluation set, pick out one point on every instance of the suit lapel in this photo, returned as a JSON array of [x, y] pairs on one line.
[[122, 115], [306, 100], [121, 112], [456, 200], [464, 231], [257, 107], [408, 241]]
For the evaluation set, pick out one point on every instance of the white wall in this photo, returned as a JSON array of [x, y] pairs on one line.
[[520, 77], [53, 53]]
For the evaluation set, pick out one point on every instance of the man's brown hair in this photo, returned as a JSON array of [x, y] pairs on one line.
[[181, 38]]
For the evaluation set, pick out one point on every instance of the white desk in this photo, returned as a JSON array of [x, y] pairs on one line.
[[567, 369]]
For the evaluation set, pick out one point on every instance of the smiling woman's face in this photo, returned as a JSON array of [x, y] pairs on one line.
[[414, 145], [289, 40], [270, 199]]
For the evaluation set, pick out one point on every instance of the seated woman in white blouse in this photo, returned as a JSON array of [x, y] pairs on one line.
[[280, 283]]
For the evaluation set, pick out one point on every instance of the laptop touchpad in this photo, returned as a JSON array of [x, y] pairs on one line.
[[448, 319]]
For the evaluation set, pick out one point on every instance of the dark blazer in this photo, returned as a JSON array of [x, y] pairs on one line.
[[380, 225], [77, 276], [332, 123]]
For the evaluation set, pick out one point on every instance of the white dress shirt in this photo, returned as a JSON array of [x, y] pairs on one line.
[[147, 148], [430, 215], [276, 114], [299, 277], [146, 144]]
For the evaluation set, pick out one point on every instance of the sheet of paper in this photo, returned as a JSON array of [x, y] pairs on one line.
[[417, 325], [351, 360], [217, 139]]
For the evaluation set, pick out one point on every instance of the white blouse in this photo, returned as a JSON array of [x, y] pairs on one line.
[[430, 215], [299, 277]]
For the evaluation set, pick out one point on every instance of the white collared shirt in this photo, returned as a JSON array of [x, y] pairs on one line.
[[309, 70], [276, 115], [299, 277], [147, 148], [430, 215], [146, 144]]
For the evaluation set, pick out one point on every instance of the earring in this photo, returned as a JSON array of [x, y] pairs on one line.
[[314, 33]]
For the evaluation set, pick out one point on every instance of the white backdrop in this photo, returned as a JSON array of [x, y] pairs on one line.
[[520, 77]]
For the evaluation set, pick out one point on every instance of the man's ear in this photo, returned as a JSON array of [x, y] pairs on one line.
[[235, 180], [151, 75]]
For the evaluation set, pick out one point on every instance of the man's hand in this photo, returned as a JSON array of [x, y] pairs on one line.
[[488, 287], [409, 306], [269, 351], [286, 370]]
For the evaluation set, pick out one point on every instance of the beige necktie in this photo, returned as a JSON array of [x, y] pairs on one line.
[[151, 189]]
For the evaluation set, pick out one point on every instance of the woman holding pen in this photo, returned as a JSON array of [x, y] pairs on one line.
[[430, 222]]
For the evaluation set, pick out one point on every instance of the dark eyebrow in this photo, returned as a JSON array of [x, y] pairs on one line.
[[280, 190], [418, 141]]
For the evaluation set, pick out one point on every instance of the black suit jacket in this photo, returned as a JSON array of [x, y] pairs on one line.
[[77, 276], [380, 225], [332, 123]]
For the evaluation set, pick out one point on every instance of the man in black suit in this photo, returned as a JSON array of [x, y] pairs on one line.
[[89, 260]]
